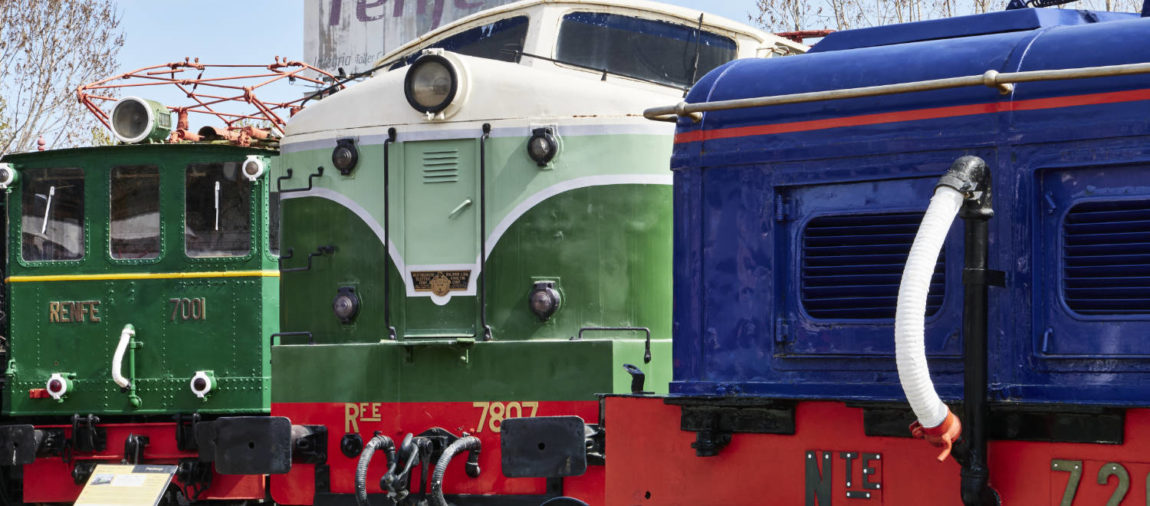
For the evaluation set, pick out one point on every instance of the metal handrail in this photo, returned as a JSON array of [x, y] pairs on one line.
[[992, 78]]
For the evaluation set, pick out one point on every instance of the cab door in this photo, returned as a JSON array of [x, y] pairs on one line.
[[441, 237]]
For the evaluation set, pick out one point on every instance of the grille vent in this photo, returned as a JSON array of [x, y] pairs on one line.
[[1106, 257], [852, 265], [440, 166]]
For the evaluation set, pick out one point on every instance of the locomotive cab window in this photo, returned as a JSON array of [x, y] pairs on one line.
[[134, 207], [645, 49], [53, 214], [502, 40], [217, 211]]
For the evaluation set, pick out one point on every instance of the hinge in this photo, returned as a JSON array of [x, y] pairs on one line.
[[783, 208], [782, 330]]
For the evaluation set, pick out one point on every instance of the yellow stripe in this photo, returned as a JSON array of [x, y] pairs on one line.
[[145, 275]]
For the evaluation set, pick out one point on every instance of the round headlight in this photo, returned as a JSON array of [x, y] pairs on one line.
[[431, 84], [58, 386], [542, 146], [7, 176], [345, 305], [253, 167], [544, 300], [344, 156], [202, 384]]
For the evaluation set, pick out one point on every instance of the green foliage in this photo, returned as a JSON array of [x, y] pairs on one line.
[[48, 48]]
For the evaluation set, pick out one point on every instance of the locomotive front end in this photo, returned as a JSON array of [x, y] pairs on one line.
[[139, 285], [478, 237]]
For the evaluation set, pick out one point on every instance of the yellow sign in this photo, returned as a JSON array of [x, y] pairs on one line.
[[141, 485]]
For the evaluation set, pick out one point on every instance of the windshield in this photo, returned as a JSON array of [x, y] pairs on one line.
[[645, 49], [53, 206], [501, 40], [218, 208]]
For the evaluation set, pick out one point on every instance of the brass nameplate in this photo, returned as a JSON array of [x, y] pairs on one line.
[[440, 282]]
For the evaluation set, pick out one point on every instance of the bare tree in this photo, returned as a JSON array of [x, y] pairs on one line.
[[47, 49]]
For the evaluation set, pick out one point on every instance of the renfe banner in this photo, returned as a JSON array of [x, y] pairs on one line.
[[353, 34]]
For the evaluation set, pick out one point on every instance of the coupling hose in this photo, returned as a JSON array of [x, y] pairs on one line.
[[466, 443], [365, 460], [910, 315]]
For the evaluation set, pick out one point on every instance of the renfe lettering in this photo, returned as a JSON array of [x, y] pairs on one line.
[[373, 10], [77, 311]]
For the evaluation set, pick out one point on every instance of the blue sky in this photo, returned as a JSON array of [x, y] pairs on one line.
[[247, 32], [252, 31]]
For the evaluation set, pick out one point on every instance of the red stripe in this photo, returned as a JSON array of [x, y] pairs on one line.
[[918, 114]]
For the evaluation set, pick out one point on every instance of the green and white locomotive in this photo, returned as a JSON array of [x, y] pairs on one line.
[[481, 233]]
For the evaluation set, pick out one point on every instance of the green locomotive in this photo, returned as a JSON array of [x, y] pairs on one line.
[[481, 233], [141, 284]]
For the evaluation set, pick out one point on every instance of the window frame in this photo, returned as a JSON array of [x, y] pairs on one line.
[[19, 238], [254, 217], [712, 31], [160, 207]]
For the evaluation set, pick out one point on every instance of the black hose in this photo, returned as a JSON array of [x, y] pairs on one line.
[[468, 443], [365, 459]]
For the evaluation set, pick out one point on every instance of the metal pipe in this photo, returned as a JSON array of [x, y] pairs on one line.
[[976, 213], [991, 78], [485, 329], [391, 334]]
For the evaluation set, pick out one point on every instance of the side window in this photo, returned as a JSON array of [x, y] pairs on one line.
[[53, 214], [646, 49], [135, 212], [501, 40], [217, 211]]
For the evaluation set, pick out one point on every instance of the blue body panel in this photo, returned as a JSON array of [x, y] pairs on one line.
[[766, 197]]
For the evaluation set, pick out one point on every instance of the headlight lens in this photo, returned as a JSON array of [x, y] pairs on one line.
[[542, 146], [345, 305], [345, 156], [431, 84]]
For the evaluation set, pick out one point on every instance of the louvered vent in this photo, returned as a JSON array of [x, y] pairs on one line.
[[1106, 257], [441, 166], [852, 265]]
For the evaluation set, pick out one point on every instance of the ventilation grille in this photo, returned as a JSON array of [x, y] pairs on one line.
[[441, 166], [852, 265], [1106, 248]]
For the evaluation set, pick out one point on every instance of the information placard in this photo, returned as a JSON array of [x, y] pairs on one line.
[[112, 485]]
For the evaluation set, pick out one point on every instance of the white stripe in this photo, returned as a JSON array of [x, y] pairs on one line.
[[646, 128], [492, 238]]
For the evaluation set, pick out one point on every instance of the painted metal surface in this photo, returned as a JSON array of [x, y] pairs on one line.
[[793, 469], [398, 388], [748, 183], [190, 314], [50, 480]]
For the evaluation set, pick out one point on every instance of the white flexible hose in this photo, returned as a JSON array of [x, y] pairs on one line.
[[118, 357], [910, 315]]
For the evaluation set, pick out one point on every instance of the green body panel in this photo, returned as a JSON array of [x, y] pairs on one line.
[[607, 246], [609, 276], [230, 338], [597, 222], [489, 371]]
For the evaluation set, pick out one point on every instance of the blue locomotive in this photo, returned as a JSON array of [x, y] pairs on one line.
[[801, 328]]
